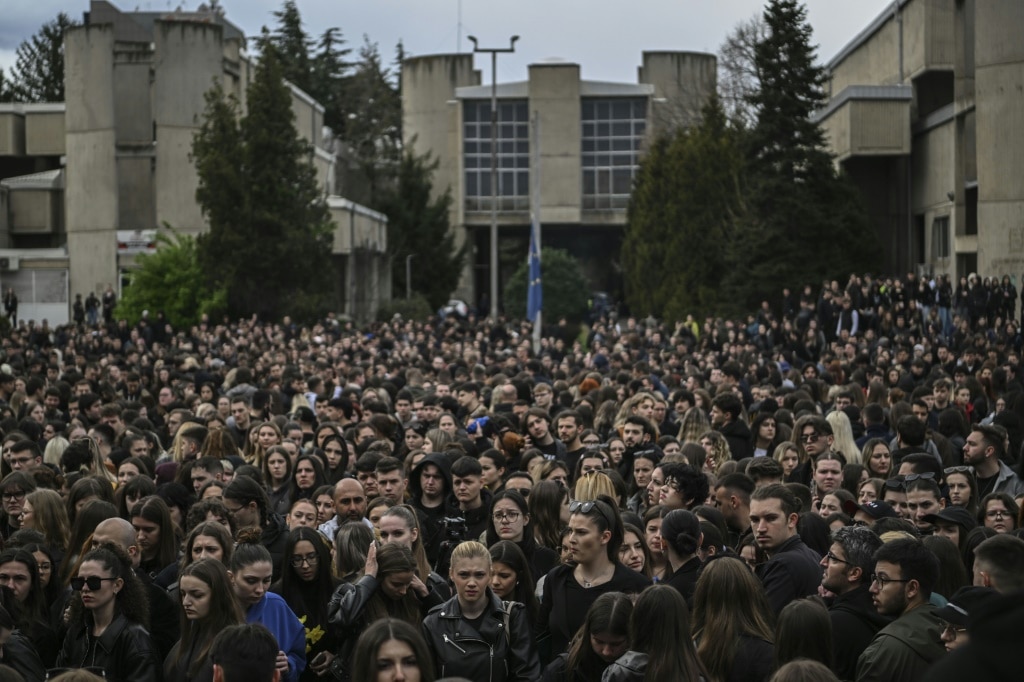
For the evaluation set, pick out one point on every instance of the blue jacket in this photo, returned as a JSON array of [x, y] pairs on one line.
[[272, 612]]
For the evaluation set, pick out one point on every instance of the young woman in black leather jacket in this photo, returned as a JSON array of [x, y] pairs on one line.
[[109, 615], [474, 634]]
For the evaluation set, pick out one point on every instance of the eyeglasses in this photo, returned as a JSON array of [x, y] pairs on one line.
[[926, 476], [953, 630], [93, 582], [311, 559], [809, 437], [14, 495], [959, 470], [997, 514], [885, 580], [499, 517], [834, 559]]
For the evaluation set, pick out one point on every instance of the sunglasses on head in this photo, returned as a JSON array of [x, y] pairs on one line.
[[578, 507], [895, 483], [94, 582], [959, 470], [927, 476]]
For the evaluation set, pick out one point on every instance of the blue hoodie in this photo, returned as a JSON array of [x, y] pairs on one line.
[[273, 613]]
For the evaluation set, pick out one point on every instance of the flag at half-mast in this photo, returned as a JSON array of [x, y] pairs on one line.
[[534, 297]]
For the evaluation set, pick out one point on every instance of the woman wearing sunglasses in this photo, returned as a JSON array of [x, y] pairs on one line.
[[595, 535], [109, 617]]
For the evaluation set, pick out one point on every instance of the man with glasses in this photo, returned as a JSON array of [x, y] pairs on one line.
[[847, 568], [956, 615], [901, 586], [25, 456], [984, 450]]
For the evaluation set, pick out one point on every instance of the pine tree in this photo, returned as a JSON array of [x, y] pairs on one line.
[[805, 222], [419, 226], [269, 240], [293, 47], [681, 224], [565, 287], [329, 78], [38, 71]]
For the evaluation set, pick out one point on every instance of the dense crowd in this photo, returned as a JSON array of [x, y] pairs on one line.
[[828, 489]]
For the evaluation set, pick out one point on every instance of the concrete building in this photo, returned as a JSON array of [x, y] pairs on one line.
[[924, 113], [591, 137], [98, 174]]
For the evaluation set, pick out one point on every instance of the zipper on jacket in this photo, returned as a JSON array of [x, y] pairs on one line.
[[452, 642]]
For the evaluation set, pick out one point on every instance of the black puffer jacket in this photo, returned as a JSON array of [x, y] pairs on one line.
[[124, 650], [487, 654]]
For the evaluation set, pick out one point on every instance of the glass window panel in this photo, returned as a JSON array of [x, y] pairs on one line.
[[523, 183], [587, 109], [587, 145], [588, 130], [604, 129], [589, 182], [506, 131], [621, 128], [472, 185], [621, 109], [622, 179], [522, 147], [622, 144], [603, 108], [507, 147], [604, 181]]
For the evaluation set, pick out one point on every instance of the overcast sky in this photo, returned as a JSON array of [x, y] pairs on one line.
[[606, 37]]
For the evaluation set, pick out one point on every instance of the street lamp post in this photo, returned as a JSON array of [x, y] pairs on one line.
[[494, 162]]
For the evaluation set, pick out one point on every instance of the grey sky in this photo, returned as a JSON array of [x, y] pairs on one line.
[[606, 37]]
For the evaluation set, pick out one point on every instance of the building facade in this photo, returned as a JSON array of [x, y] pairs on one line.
[[97, 175], [923, 116], [589, 138]]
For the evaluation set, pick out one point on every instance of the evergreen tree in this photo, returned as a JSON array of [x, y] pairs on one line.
[[805, 223], [293, 47], [680, 230], [374, 130], [38, 71], [418, 225], [329, 78], [269, 239]]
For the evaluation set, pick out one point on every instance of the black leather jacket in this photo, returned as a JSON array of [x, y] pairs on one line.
[[124, 650], [488, 654]]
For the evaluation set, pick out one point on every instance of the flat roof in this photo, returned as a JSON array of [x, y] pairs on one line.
[[47, 180], [521, 90]]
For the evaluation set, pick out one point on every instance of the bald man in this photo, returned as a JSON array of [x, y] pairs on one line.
[[349, 505], [163, 615]]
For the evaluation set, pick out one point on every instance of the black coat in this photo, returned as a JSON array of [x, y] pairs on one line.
[[486, 653], [741, 441], [793, 572], [124, 650], [855, 622]]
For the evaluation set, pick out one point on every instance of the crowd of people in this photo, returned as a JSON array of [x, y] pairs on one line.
[[829, 489]]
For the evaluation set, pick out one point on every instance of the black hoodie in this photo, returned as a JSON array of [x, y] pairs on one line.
[[431, 518], [855, 622], [992, 652]]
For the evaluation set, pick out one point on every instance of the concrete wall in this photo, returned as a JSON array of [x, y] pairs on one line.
[[32, 212], [555, 97], [188, 58], [929, 44], [44, 130], [432, 122], [999, 96], [91, 192], [685, 80], [12, 131]]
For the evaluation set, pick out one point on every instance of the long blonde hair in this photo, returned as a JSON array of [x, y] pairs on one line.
[[842, 436]]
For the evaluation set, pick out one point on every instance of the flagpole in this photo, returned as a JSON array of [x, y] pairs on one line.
[[535, 224]]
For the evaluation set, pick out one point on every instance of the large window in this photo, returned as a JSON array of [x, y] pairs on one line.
[[613, 133], [513, 155]]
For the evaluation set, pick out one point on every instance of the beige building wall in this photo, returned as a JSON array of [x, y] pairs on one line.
[[188, 59], [44, 129], [91, 191], [432, 122], [999, 95], [554, 94], [683, 82]]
